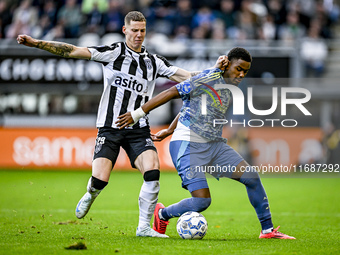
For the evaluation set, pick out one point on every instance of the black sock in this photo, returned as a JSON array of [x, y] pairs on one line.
[[98, 184], [267, 224]]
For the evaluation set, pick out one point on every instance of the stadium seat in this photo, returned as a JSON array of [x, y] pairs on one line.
[[157, 39], [89, 39], [164, 46], [29, 102], [110, 38]]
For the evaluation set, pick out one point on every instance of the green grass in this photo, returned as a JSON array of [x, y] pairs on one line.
[[37, 216]]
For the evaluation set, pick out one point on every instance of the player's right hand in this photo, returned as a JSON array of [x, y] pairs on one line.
[[124, 120], [222, 62], [26, 40]]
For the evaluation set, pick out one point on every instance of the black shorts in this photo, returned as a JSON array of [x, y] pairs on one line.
[[133, 141]]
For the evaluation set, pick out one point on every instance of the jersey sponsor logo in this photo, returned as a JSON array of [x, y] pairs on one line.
[[129, 83], [216, 104], [214, 91]]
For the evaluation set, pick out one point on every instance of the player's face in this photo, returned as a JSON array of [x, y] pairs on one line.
[[135, 34], [236, 71]]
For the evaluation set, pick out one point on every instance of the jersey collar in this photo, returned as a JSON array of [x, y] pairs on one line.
[[143, 50]]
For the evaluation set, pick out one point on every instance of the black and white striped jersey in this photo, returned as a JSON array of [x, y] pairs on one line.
[[129, 80]]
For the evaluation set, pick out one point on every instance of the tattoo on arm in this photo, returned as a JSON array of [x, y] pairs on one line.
[[57, 48], [194, 73]]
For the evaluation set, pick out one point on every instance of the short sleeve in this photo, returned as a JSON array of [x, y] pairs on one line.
[[184, 88], [104, 53], [189, 86], [164, 68]]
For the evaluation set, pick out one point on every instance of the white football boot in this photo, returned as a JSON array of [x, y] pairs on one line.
[[149, 232], [86, 201]]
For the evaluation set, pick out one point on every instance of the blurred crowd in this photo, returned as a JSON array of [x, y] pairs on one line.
[[178, 19]]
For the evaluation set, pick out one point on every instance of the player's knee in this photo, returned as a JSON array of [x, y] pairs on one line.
[[250, 178], [201, 203], [147, 160]]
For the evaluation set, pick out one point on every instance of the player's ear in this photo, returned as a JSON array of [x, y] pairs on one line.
[[124, 30], [227, 66]]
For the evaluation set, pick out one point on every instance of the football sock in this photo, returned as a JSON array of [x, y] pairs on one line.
[[160, 215], [257, 197], [196, 204], [98, 184], [148, 197], [266, 231]]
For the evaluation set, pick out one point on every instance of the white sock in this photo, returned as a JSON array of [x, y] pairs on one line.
[[148, 197], [266, 231], [160, 214]]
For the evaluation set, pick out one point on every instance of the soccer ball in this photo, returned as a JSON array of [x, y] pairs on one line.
[[192, 225]]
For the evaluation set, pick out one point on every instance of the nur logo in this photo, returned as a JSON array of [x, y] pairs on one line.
[[238, 100]]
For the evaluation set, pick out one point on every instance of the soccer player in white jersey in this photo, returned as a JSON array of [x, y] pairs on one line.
[[197, 143], [129, 73]]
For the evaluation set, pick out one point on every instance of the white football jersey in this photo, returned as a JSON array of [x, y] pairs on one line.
[[129, 80]]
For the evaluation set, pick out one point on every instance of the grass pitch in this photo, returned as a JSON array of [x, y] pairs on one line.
[[37, 216]]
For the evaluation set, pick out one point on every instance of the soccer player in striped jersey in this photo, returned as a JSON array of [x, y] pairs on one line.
[[129, 73], [197, 143]]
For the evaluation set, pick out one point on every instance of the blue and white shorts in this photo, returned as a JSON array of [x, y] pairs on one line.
[[193, 160]]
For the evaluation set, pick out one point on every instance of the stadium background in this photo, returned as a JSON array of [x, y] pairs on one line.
[[48, 104]]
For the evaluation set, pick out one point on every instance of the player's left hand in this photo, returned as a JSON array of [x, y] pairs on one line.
[[222, 62], [124, 120], [160, 135]]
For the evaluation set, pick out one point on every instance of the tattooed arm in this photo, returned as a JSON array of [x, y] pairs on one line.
[[58, 48]]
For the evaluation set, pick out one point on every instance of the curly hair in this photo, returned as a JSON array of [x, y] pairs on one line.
[[239, 53]]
